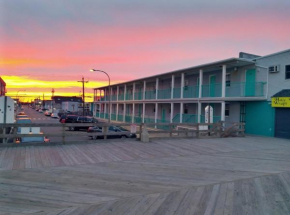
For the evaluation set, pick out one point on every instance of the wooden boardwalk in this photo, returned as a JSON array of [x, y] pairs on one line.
[[166, 176]]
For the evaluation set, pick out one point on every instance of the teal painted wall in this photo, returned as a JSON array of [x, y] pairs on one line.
[[260, 118]]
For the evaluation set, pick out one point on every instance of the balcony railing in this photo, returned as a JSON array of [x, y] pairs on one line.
[[243, 89], [128, 118], [164, 94], [236, 89], [163, 127], [150, 94], [212, 90], [176, 93], [190, 91], [138, 119], [114, 98], [120, 118], [149, 120], [138, 95], [129, 96], [189, 118], [113, 117], [121, 97]]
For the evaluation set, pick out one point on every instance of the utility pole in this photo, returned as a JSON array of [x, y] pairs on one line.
[[83, 82]]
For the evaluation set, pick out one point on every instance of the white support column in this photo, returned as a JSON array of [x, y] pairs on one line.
[[105, 111], [157, 87], [133, 111], [144, 90], [125, 92], [172, 86], [105, 94], [124, 112], [171, 112], [110, 110], [200, 83], [156, 113], [143, 113], [223, 108], [198, 111], [117, 111], [117, 93], [134, 89], [182, 85], [224, 72], [181, 112]]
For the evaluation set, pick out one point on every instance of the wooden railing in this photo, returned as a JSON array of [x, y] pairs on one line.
[[198, 130]]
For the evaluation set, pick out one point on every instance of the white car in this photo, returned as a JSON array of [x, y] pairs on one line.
[[40, 111]]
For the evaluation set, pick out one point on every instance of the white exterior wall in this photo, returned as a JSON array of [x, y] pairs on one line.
[[234, 112], [9, 110], [70, 106], [277, 81]]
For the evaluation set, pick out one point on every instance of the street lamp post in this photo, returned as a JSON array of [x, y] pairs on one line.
[[96, 70]]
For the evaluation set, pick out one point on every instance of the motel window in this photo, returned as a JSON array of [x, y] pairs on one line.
[[287, 72], [228, 80], [227, 109]]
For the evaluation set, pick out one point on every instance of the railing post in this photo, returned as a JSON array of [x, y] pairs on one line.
[[14, 132], [105, 131], [63, 133], [4, 132]]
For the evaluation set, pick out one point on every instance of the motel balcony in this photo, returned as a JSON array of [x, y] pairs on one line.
[[233, 89]]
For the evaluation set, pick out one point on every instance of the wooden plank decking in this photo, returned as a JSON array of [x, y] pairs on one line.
[[167, 176]]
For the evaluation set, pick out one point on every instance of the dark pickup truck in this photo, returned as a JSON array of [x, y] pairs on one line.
[[78, 119]]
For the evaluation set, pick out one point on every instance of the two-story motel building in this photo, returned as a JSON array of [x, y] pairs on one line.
[[238, 89]]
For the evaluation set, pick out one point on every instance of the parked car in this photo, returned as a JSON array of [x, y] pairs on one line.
[[113, 131], [78, 119], [21, 113], [40, 111]]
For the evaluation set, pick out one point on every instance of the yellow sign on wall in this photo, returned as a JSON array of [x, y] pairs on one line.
[[281, 102]]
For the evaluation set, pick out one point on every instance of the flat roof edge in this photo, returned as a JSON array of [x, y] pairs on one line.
[[184, 69]]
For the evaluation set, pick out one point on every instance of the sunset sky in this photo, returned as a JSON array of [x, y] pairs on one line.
[[47, 44]]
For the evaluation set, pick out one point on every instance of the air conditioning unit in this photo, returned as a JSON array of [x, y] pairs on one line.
[[274, 69]]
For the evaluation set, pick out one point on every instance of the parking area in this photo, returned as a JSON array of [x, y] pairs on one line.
[[166, 176]]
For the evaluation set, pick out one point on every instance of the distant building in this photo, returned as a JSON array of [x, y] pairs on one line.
[[58, 100], [2, 87]]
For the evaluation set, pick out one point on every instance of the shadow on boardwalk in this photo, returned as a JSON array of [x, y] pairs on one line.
[[167, 176]]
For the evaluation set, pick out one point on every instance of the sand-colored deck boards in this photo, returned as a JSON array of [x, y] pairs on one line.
[[166, 176]]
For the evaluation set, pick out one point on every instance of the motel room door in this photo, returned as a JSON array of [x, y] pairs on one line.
[[250, 82]]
